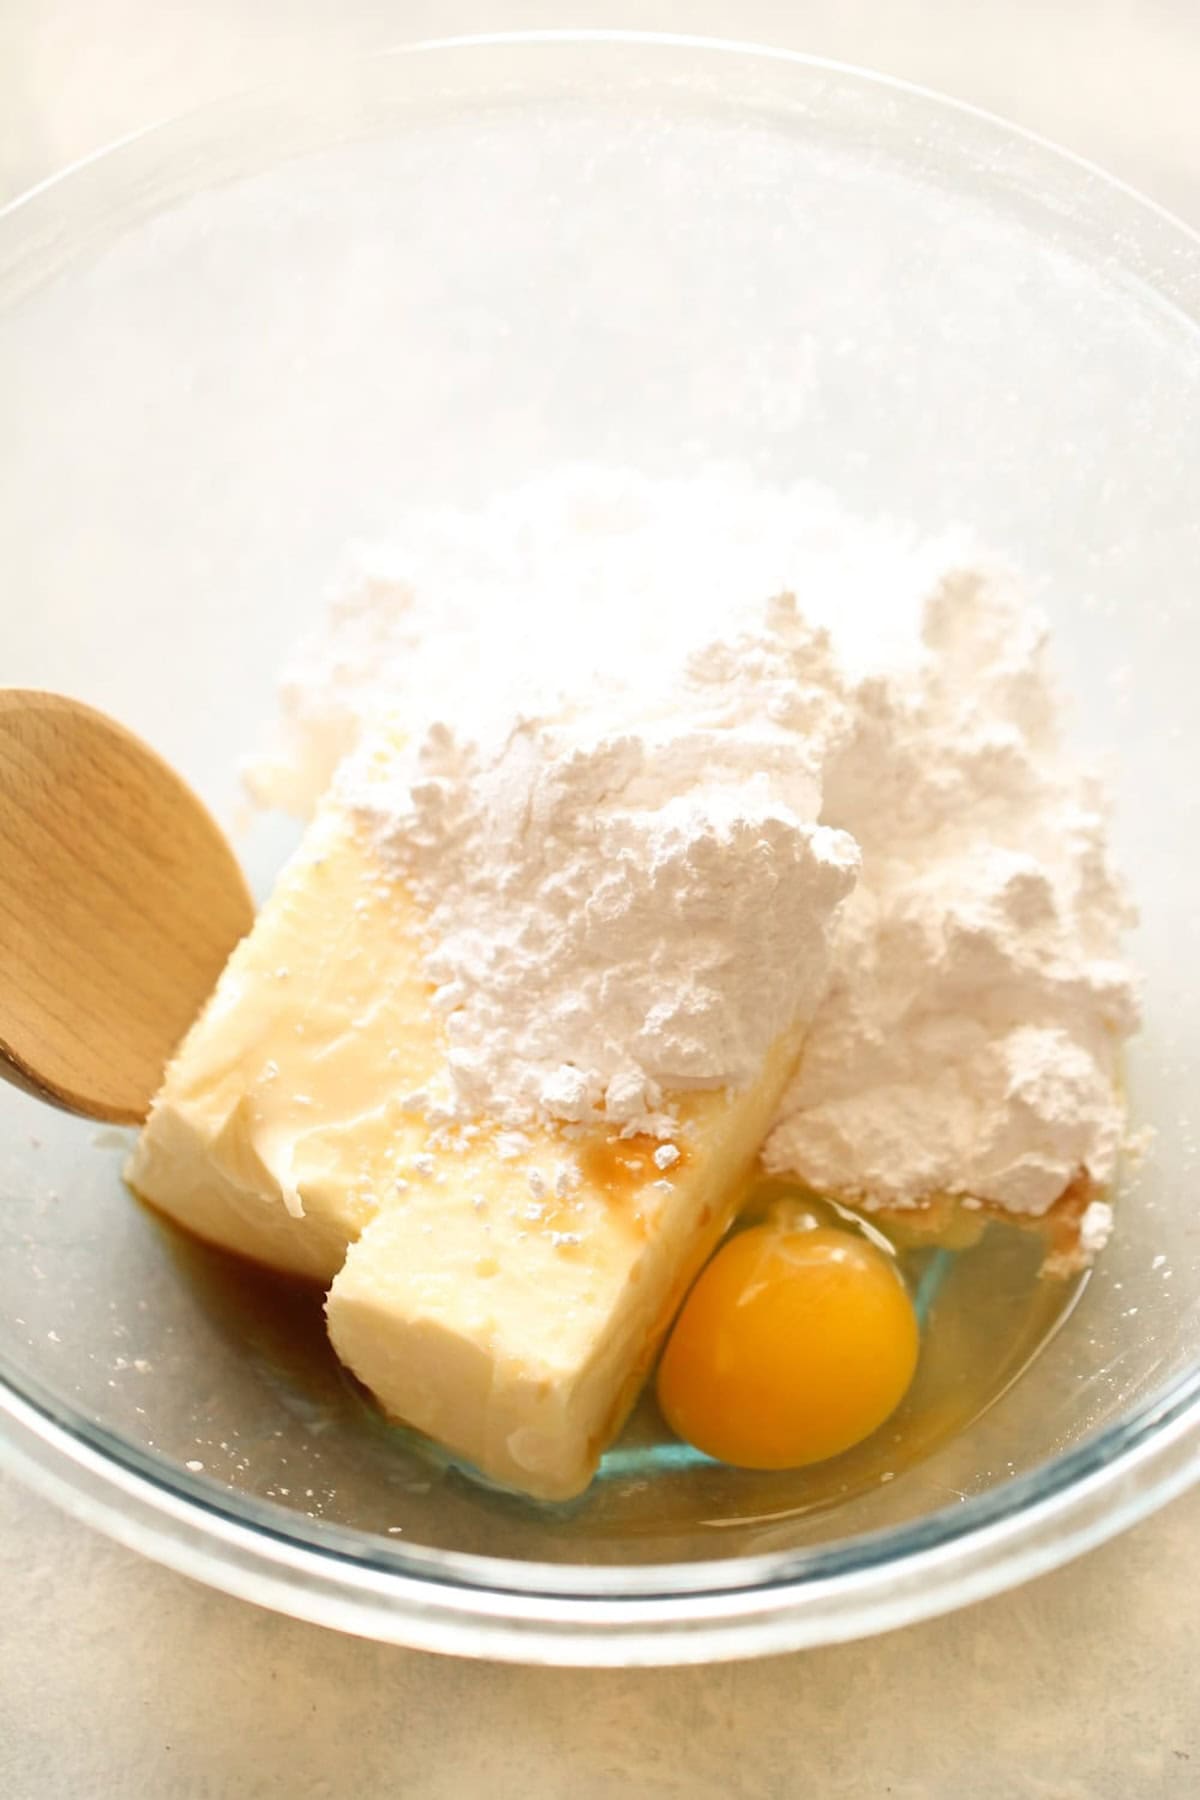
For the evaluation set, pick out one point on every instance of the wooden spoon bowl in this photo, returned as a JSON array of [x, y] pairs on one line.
[[120, 901]]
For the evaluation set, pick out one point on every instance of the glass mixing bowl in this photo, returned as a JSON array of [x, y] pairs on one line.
[[231, 344]]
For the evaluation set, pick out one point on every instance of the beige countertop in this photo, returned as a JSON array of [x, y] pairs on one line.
[[119, 1678]]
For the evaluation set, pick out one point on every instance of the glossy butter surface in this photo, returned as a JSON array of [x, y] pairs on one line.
[[512, 1325]]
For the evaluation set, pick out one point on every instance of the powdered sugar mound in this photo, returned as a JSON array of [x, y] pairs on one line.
[[620, 810], [969, 1040], [625, 897], [583, 574]]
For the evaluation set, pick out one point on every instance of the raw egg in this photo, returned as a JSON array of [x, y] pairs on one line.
[[792, 1346]]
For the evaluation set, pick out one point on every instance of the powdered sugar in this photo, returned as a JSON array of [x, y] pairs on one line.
[[968, 1043], [621, 804], [583, 575], [629, 896]]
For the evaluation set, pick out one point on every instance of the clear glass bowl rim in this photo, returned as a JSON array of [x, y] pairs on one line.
[[649, 1614]]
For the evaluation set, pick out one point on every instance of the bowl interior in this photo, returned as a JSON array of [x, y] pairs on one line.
[[231, 347]]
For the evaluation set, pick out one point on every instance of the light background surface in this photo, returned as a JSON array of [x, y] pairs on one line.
[[118, 1678]]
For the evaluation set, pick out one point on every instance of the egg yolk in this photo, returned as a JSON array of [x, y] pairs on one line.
[[792, 1346]]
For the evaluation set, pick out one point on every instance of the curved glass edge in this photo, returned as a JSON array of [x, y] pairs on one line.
[[783, 1601], [930, 1574], [353, 100], [619, 37]]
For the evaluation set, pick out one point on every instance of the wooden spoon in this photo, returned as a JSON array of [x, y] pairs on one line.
[[119, 903]]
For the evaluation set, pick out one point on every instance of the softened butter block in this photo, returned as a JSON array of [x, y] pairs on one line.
[[278, 1130], [517, 1330], [513, 1324]]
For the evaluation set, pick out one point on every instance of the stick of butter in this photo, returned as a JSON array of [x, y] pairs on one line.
[[508, 1304]]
